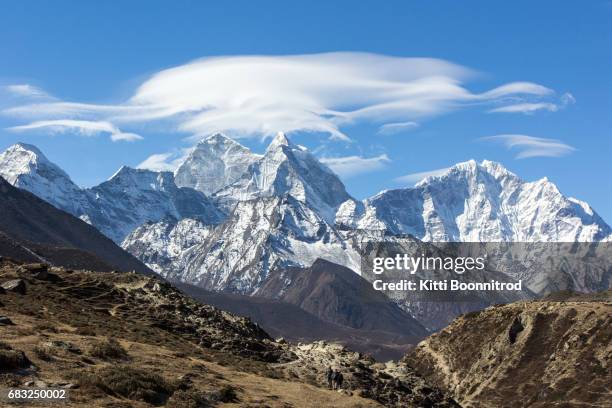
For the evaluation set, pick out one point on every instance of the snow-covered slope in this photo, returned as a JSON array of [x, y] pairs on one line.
[[164, 245], [26, 167], [132, 197], [215, 162], [478, 202], [260, 235], [286, 168]]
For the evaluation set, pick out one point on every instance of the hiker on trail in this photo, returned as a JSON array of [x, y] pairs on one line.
[[328, 374], [339, 380], [334, 376]]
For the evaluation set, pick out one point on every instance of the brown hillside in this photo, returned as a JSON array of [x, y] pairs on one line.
[[536, 354]]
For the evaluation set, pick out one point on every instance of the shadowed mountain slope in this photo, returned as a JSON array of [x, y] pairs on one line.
[[35, 230], [336, 294]]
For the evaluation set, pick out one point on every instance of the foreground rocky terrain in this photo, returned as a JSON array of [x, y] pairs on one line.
[[127, 340], [554, 352]]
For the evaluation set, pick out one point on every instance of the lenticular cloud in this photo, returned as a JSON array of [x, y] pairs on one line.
[[261, 95]]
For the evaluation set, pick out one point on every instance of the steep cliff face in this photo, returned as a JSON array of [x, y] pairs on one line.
[[26, 167], [535, 354]]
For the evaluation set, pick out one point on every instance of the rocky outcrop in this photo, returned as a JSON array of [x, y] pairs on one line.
[[14, 285]]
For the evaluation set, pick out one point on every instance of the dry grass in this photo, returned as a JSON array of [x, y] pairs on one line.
[[85, 331], [45, 327]]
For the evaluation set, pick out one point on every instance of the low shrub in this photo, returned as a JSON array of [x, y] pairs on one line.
[[226, 394], [127, 382], [10, 380], [85, 331], [12, 359], [45, 327], [189, 399], [43, 352], [108, 349]]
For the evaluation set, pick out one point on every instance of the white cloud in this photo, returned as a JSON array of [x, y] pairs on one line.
[[413, 178], [567, 99], [164, 161], [81, 127], [260, 95], [530, 107], [26, 90], [350, 166], [518, 88], [62, 109], [125, 136], [393, 128], [529, 146], [526, 108]]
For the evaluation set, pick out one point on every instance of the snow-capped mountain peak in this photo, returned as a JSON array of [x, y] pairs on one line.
[[214, 163], [218, 138], [287, 168], [472, 168], [26, 167], [117, 206], [279, 140], [286, 208], [132, 197], [23, 159]]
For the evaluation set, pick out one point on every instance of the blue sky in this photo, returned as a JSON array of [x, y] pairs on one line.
[[100, 53]]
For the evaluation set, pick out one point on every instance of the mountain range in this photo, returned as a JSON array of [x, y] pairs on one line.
[[117, 206], [479, 202], [228, 218]]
